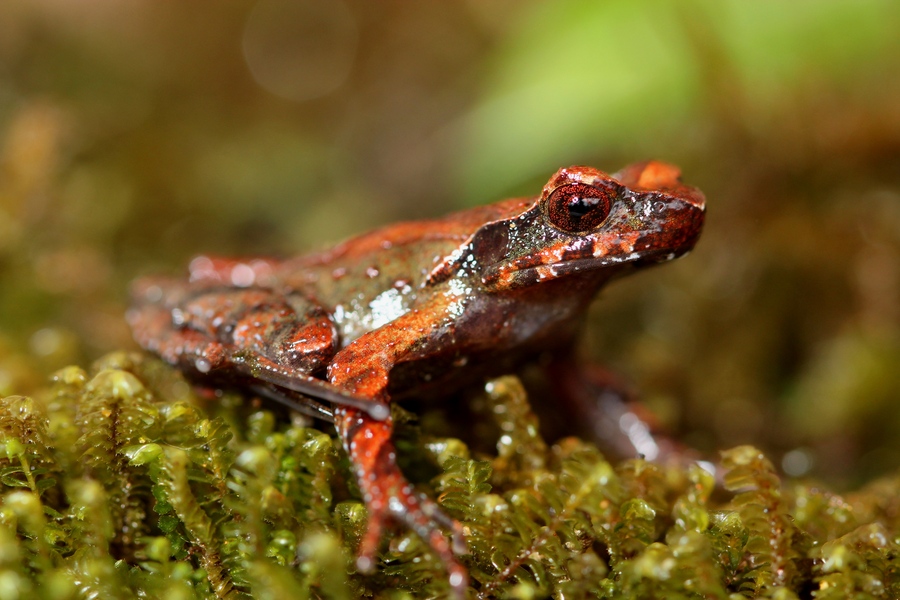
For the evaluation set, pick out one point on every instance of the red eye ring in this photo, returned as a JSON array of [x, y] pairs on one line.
[[577, 207]]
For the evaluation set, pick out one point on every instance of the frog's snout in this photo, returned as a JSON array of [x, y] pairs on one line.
[[694, 197], [693, 213]]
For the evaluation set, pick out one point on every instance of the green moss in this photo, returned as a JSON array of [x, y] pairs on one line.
[[122, 483]]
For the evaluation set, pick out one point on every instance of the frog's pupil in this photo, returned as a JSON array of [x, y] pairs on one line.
[[580, 206]]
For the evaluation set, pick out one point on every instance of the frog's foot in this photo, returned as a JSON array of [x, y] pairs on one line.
[[153, 330], [389, 496]]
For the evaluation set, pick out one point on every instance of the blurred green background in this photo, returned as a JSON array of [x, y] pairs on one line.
[[134, 135]]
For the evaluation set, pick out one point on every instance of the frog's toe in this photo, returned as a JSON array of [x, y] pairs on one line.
[[423, 516], [365, 564], [368, 547], [458, 540], [457, 536]]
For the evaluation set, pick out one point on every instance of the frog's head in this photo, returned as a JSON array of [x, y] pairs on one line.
[[586, 220]]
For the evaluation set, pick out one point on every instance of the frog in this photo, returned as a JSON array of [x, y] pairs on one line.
[[417, 306]]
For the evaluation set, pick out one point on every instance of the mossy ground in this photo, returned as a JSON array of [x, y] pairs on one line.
[[122, 482]]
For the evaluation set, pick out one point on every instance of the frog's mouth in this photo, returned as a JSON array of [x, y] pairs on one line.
[[564, 261]]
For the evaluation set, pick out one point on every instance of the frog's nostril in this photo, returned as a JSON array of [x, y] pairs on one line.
[[695, 197]]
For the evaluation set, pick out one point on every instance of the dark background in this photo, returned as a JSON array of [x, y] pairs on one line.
[[134, 135]]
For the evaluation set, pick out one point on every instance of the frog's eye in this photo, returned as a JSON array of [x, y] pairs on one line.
[[578, 207]]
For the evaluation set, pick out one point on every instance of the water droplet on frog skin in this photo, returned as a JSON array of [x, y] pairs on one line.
[[243, 275]]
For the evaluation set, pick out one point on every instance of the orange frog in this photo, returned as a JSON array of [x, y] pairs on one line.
[[414, 307]]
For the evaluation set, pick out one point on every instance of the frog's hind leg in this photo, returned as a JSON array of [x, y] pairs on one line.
[[261, 334], [151, 324], [289, 330], [207, 326]]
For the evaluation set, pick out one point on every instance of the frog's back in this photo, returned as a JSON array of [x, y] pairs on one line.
[[419, 237], [368, 280]]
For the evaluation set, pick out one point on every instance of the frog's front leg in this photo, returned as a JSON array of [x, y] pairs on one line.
[[609, 414], [363, 368], [388, 494]]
